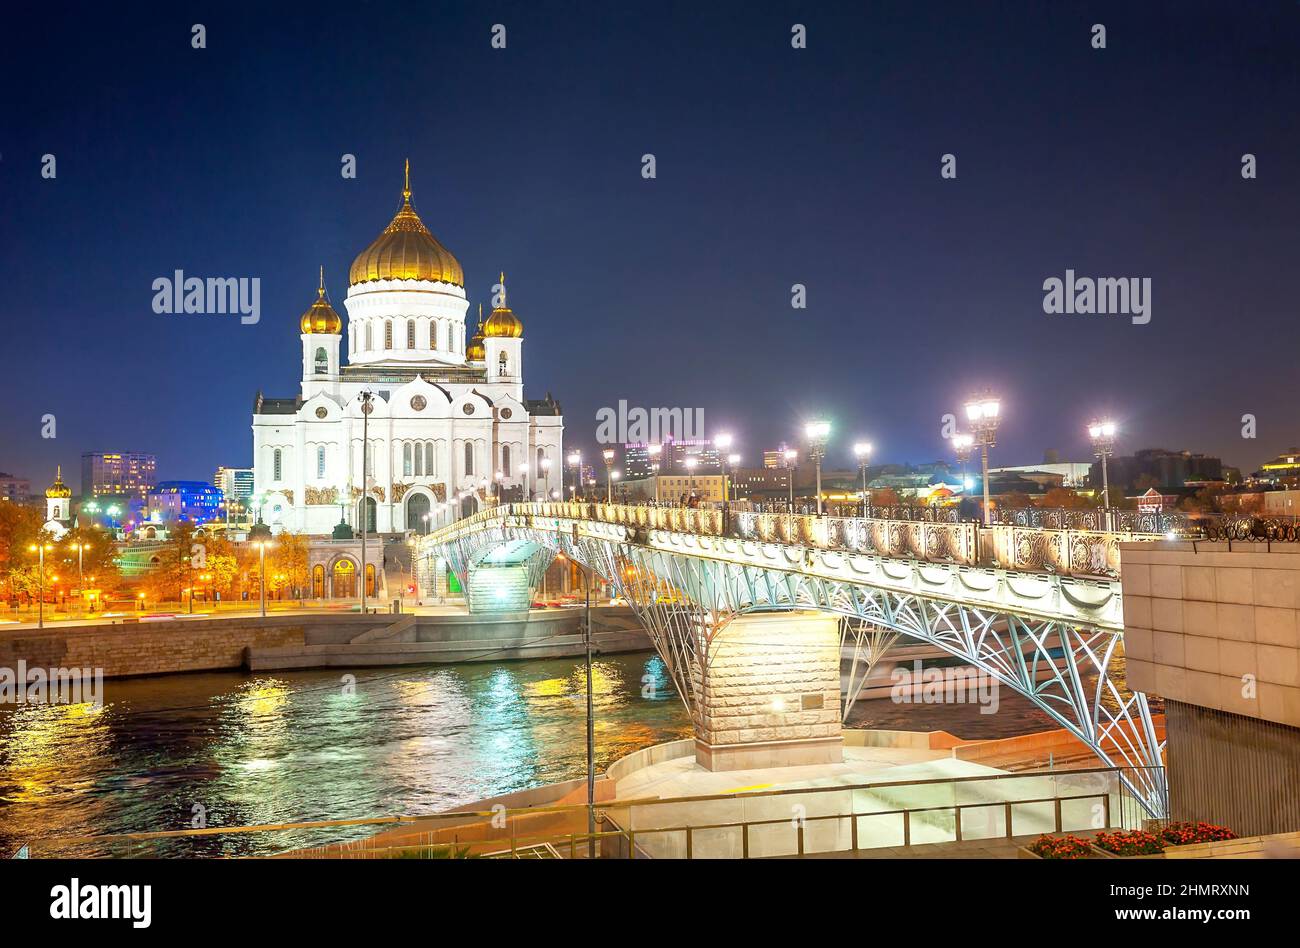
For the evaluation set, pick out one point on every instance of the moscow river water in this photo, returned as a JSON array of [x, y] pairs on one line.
[[240, 749]]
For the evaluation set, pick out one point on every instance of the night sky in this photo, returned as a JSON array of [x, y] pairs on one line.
[[775, 166]]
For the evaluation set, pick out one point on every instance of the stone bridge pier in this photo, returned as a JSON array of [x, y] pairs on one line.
[[768, 694]]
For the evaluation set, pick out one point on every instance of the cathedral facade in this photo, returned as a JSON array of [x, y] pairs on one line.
[[446, 426]]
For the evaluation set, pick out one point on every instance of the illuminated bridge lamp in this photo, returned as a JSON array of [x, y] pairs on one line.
[[1102, 432], [983, 411], [818, 432], [862, 451]]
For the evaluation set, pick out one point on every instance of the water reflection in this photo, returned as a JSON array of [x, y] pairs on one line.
[[230, 749]]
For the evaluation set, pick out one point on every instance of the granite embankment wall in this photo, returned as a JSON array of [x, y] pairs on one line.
[[307, 640]]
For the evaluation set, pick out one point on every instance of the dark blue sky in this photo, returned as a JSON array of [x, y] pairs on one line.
[[775, 167]]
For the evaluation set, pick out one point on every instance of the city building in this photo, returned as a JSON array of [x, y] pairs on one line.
[[448, 411], [1156, 467], [1072, 474], [638, 462], [117, 474], [1284, 467], [171, 501], [674, 454], [762, 485], [234, 482], [15, 490], [706, 488], [775, 457]]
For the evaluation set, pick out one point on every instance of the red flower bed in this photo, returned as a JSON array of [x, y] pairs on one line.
[[1130, 843], [1061, 847], [1183, 834]]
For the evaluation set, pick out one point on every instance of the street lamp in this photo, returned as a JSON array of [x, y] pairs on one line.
[[790, 455], [367, 398], [862, 451], [1103, 433], [817, 432], [523, 471], [690, 466], [261, 552], [81, 573], [39, 549], [961, 443], [608, 455], [982, 412], [575, 462], [545, 465], [615, 475]]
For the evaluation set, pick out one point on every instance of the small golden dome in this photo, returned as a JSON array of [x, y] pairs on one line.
[[406, 251], [475, 352], [321, 317], [58, 488], [503, 323]]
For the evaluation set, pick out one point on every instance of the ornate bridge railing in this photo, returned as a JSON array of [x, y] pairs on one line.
[[1069, 551]]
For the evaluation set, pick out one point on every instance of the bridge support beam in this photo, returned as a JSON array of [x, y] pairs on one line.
[[769, 693]]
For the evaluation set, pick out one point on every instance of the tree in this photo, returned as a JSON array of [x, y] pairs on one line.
[[1063, 497], [288, 560], [884, 497]]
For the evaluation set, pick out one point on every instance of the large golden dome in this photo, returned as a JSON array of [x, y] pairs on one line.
[[503, 323], [321, 317], [406, 251]]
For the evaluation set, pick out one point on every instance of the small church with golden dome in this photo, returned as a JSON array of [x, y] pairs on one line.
[[449, 427]]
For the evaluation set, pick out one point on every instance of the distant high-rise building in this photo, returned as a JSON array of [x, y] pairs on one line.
[[235, 483], [675, 453], [637, 461], [117, 474], [775, 458], [15, 490]]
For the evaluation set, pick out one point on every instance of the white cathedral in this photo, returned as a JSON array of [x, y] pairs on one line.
[[448, 426]]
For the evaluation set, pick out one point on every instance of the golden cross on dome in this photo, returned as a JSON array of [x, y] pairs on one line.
[[320, 290], [406, 190]]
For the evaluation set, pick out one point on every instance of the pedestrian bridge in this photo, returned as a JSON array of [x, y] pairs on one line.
[[1037, 609]]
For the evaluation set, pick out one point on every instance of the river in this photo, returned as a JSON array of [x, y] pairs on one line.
[[230, 749]]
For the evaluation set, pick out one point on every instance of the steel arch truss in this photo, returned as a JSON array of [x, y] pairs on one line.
[[685, 601]]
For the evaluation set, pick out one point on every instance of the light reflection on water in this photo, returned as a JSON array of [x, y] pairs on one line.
[[298, 746]]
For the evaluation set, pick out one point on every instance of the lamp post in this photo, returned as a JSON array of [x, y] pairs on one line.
[[690, 466], [608, 455], [961, 443], [1102, 433], [261, 555], [615, 475], [366, 408], [982, 412], [39, 549], [723, 442], [817, 432], [545, 465], [790, 456], [862, 451], [575, 462], [523, 472]]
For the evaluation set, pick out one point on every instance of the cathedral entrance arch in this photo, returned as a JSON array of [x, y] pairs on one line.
[[417, 509], [345, 579]]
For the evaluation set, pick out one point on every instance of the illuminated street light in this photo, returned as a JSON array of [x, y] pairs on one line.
[[790, 455], [1102, 432], [261, 552], [39, 549], [862, 451], [523, 472], [961, 443], [982, 411], [545, 465], [817, 433], [608, 455]]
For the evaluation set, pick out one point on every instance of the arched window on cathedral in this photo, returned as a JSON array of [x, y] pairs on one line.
[[275, 465], [320, 461], [419, 462], [433, 334], [429, 469], [469, 459], [406, 460], [322, 361], [370, 336], [505, 460], [410, 334], [541, 458], [388, 334], [502, 366]]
